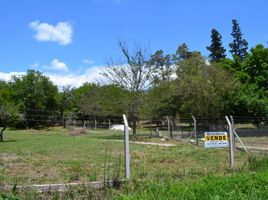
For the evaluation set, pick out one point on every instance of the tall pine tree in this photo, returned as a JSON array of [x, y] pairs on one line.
[[239, 45], [217, 51]]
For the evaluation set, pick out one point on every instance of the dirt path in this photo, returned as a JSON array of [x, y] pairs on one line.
[[251, 148], [146, 143], [57, 187]]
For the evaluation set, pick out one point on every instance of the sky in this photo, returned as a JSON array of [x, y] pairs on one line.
[[71, 40]]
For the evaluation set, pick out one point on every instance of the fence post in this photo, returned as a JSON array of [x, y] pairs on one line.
[[127, 159], [95, 122], [109, 121], [151, 131], [232, 122], [231, 141], [236, 135], [195, 131], [169, 129]]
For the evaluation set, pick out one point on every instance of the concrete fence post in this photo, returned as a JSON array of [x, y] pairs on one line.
[[109, 121], [127, 158], [95, 122], [231, 141], [195, 131], [169, 128]]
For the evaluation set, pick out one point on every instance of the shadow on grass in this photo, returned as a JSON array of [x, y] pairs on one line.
[[109, 137], [8, 141]]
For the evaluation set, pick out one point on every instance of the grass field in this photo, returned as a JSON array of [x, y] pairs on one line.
[[55, 156]]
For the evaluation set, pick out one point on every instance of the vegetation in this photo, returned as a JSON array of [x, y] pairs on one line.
[[216, 48], [142, 86], [239, 45], [55, 156], [181, 172]]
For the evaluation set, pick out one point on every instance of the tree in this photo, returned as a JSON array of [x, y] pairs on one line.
[[239, 45], [33, 93], [217, 51], [103, 101], [65, 101], [249, 100], [161, 67], [256, 67], [203, 90], [4, 104], [134, 76], [182, 53], [159, 101]]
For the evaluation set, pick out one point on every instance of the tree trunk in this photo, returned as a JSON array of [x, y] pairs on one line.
[[1, 134], [134, 121]]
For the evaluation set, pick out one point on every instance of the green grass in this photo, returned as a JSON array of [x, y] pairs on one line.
[[242, 186], [35, 156], [32, 156]]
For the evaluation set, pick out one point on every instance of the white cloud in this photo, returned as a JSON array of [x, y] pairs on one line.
[[91, 74], [34, 66], [88, 61], [58, 65], [207, 62], [61, 33], [7, 76]]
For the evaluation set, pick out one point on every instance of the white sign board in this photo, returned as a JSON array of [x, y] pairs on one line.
[[216, 140]]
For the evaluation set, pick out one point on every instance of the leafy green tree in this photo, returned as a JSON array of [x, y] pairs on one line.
[[9, 112], [65, 99], [78, 93], [161, 67], [256, 67], [203, 89], [34, 92], [4, 102], [249, 100], [182, 53], [217, 51], [239, 45], [102, 101], [159, 101], [4, 94]]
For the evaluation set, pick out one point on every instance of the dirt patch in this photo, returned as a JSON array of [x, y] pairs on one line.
[[4, 157], [74, 131]]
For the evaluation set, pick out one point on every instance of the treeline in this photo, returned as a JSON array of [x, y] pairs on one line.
[[179, 84]]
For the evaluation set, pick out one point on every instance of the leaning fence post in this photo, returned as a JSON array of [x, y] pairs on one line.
[[236, 135], [195, 131], [127, 159], [231, 141]]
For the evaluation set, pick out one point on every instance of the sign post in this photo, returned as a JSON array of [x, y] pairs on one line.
[[127, 159]]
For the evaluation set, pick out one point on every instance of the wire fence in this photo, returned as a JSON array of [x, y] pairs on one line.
[[191, 128]]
